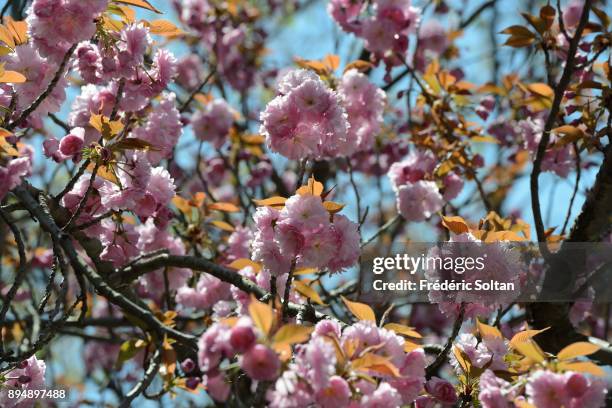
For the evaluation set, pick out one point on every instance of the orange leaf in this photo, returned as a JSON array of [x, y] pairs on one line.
[[313, 187], [524, 336], [241, 263], [226, 207], [308, 292], [333, 207], [487, 331], [359, 65], [222, 225], [360, 310], [530, 350], [164, 27], [292, 334], [276, 201], [541, 89], [579, 349], [261, 314], [404, 330], [13, 77], [332, 62], [456, 224], [140, 3], [377, 363], [462, 359], [582, 367]]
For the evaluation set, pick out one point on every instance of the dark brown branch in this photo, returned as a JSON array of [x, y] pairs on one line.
[[552, 119]]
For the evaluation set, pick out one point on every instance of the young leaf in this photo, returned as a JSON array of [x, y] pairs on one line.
[[582, 367], [462, 359], [308, 292], [530, 350], [359, 65], [487, 331], [140, 3], [333, 207], [524, 336], [360, 310], [262, 315], [273, 202], [541, 89], [404, 330], [226, 207], [222, 225], [456, 225], [579, 349], [243, 263], [164, 27], [292, 334], [376, 363], [12, 77], [313, 188]]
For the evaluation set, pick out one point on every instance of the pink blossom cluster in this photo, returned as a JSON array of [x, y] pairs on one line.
[[309, 120], [121, 58], [501, 263], [12, 172], [364, 103], [230, 39], [55, 25], [557, 159], [98, 63], [304, 233], [39, 72], [384, 25], [306, 119], [314, 375], [418, 195], [213, 122], [29, 375], [545, 389]]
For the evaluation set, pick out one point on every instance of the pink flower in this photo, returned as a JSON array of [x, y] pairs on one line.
[[316, 363], [337, 394], [432, 37], [213, 122], [260, 363], [346, 236], [162, 129], [213, 346], [385, 396], [572, 13], [306, 119], [242, 336], [345, 13], [419, 201], [189, 70], [306, 210], [216, 387], [494, 391], [71, 144], [30, 375], [442, 390], [452, 186], [208, 291], [12, 173], [547, 390], [56, 25], [413, 168], [364, 103], [289, 391], [327, 328]]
